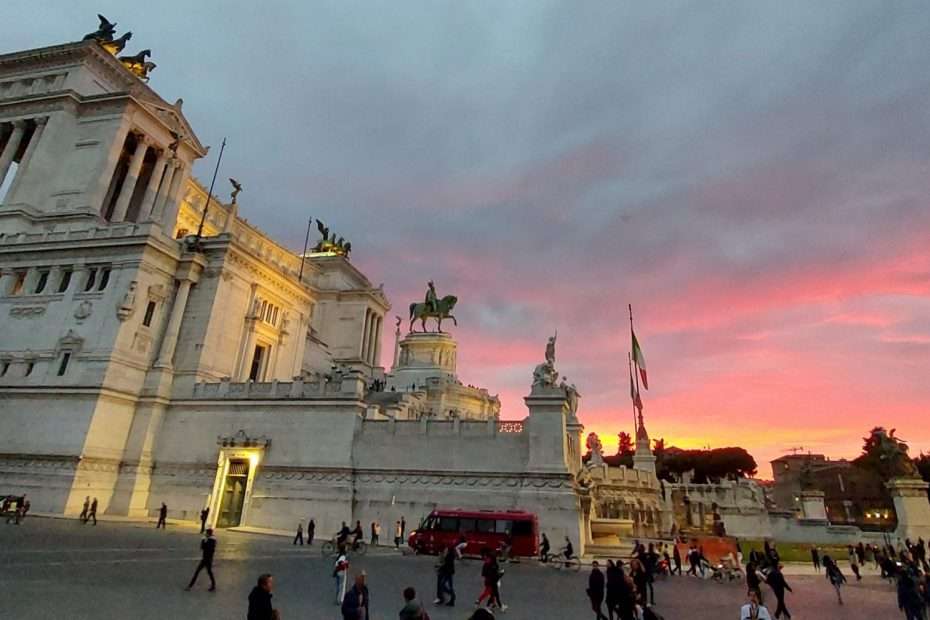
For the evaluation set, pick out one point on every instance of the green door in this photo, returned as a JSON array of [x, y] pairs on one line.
[[233, 493]]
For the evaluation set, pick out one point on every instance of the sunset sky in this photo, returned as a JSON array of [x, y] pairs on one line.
[[756, 182]]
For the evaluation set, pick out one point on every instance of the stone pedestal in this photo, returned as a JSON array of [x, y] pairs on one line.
[[548, 432], [812, 505], [643, 458], [423, 356], [911, 506]]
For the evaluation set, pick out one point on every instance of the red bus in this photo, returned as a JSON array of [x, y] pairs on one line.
[[482, 529]]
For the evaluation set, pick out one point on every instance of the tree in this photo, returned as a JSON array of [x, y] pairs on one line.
[[625, 444], [886, 455]]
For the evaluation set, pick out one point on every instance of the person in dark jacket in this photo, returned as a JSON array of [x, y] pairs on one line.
[[311, 529], [260, 600], [753, 583], [207, 551], [815, 558], [776, 581], [640, 580], [444, 578], [356, 604], [909, 599], [162, 516], [412, 610], [596, 587], [203, 519]]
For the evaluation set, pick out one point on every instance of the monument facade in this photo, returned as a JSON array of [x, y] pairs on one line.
[[156, 350]]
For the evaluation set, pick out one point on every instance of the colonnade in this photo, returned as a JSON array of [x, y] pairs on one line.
[[159, 201], [371, 337], [21, 129]]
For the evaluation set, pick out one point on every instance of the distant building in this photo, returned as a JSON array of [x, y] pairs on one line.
[[852, 495]]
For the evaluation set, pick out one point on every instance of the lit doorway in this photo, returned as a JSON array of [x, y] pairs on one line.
[[232, 500]]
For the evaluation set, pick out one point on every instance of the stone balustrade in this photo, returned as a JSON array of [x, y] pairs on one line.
[[434, 427], [349, 386], [127, 229]]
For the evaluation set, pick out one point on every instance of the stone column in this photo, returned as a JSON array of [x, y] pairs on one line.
[[170, 341], [364, 346], [129, 183], [151, 191], [27, 156], [162, 198], [377, 359], [12, 145], [172, 202], [370, 349], [249, 349]]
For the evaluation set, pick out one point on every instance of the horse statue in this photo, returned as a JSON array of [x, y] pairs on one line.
[[116, 45], [138, 65], [444, 308], [104, 32]]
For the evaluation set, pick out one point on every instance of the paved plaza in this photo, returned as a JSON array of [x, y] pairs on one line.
[[55, 568]]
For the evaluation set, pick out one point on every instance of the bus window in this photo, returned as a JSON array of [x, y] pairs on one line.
[[448, 524], [485, 526], [522, 528], [505, 526], [467, 525], [428, 523]]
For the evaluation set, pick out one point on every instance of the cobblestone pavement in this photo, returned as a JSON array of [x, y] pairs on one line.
[[53, 568]]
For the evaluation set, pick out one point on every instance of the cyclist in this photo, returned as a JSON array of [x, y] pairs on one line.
[[342, 537], [568, 552]]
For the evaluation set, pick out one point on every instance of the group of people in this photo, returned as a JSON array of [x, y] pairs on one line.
[[15, 508], [345, 535], [628, 594]]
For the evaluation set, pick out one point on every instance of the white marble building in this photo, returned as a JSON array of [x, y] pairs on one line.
[[138, 365]]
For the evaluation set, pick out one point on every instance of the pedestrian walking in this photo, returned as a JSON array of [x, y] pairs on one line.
[[910, 600], [676, 558], [92, 513], [203, 519], [375, 533], [854, 562], [356, 602], [776, 581], [445, 573], [596, 590], [398, 535], [490, 575], [260, 600], [650, 561], [207, 551], [403, 528], [311, 529], [300, 534], [162, 516], [544, 548], [340, 571], [85, 509], [834, 576], [412, 610], [754, 609], [640, 580], [815, 558], [753, 582]]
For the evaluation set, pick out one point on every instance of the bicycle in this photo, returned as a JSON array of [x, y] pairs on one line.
[[572, 562], [331, 548]]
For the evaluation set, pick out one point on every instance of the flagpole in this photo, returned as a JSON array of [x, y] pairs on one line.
[[303, 257], [206, 205], [629, 357]]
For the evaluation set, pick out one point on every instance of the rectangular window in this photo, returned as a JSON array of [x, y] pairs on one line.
[[149, 313], [18, 283], [258, 358], [448, 524], [485, 526], [91, 278], [65, 280], [104, 278], [41, 282], [63, 367]]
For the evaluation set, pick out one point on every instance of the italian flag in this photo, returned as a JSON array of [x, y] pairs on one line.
[[639, 360]]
